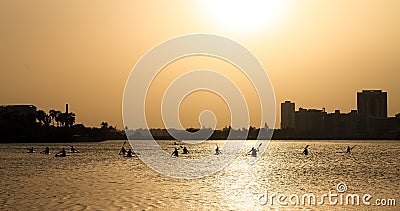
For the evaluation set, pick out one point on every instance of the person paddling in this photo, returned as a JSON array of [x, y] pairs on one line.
[[122, 151], [185, 150], [30, 150], [61, 153], [73, 150], [129, 153], [217, 151], [305, 152], [349, 149], [175, 153], [253, 152], [45, 151]]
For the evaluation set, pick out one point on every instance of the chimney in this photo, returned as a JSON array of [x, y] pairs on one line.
[[66, 108]]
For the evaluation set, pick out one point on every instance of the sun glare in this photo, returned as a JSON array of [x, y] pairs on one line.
[[244, 15]]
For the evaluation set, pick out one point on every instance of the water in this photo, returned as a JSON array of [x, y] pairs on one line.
[[99, 179]]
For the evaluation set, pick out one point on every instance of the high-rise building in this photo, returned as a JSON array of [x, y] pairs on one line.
[[287, 115], [372, 103]]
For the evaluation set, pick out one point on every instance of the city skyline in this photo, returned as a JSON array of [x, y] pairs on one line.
[[369, 120], [369, 103], [288, 109], [79, 53]]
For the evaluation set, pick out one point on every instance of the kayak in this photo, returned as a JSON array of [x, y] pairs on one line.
[[59, 155]]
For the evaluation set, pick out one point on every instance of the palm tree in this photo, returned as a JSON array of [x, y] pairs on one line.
[[58, 117], [104, 125], [69, 119], [41, 116], [47, 120], [66, 119], [62, 119], [53, 114]]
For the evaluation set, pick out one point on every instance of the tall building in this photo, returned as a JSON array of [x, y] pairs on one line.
[[287, 115], [372, 103]]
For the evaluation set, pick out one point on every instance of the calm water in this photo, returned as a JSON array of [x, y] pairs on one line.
[[99, 179]]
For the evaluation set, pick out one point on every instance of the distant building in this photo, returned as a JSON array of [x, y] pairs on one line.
[[309, 120], [369, 121], [372, 110], [18, 114], [342, 125], [287, 115], [372, 103]]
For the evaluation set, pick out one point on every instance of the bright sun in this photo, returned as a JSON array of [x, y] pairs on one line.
[[244, 15]]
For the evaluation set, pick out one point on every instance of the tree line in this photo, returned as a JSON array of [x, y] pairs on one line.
[[55, 118]]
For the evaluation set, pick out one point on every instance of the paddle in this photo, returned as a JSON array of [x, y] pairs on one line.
[[259, 146], [120, 151]]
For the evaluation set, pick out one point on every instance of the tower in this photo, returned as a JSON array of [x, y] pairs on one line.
[[372, 103]]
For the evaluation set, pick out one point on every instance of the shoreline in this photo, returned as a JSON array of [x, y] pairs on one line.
[[277, 140]]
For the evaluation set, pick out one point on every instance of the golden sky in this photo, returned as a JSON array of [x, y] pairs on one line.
[[316, 53]]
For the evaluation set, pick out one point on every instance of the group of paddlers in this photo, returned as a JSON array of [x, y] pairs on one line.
[[130, 153], [61, 153], [124, 152], [348, 150], [186, 151]]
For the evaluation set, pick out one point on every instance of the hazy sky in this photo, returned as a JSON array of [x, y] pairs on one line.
[[316, 53]]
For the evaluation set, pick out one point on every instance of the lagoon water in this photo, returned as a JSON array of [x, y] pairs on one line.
[[99, 179]]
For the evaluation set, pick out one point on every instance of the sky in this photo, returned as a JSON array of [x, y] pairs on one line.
[[316, 53]]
